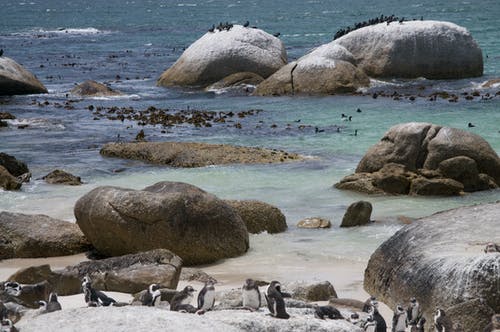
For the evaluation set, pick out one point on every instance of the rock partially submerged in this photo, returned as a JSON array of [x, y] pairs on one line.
[[357, 214], [314, 222], [426, 159], [93, 89], [222, 53], [440, 260], [186, 154], [259, 216], [30, 236], [16, 80], [430, 49], [7, 181], [62, 177], [196, 225]]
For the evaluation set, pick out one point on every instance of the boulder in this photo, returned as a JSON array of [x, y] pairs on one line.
[[16, 80], [190, 274], [357, 214], [7, 181], [440, 260], [243, 80], [194, 224], [430, 49], [222, 53], [13, 166], [61, 177], [321, 291], [259, 216], [93, 89], [314, 222], [426, 159], [185, 154], [471, 315], [6, 116], [328, 69], [30, 236]]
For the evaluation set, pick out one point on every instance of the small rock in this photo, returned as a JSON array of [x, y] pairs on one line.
[[259, 216], [190, 274], [94, 89], [321, 291], [357, 214], [62, 177], [314, 222]]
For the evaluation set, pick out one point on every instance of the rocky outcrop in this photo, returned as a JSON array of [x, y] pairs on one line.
[[29, 236], [127, 274], [321, 291], [329, 69], [314, 222], [357, 214], [221, 53], [12, 172], [61, 177], [440, 260], [13, 166], [430, 49], [7, 181], [185, 154], [93, 89], [426, 159], [259, 216], [194, 224], [240, 81], [16, 80]]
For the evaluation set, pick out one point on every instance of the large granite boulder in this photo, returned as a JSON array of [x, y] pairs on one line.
[[259, 216], [93, 89], [187, 154], [440, 260], [426, 159], [16, 80], [29, 236], [430, 49], [196, 225], [128, 274], [221, 53], [328, 69]]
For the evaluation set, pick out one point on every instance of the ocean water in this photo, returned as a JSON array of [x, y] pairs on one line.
[[128, 44]]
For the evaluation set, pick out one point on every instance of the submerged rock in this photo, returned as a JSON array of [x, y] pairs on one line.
[[196, 225], [16, 80], [93, 89], [430, 49], [61, 177], [221, 53], [440, 260], [259, 216]]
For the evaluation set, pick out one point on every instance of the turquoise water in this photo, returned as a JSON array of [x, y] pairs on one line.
[[67, 42]]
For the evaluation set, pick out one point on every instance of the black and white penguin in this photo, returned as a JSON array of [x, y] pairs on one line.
[[470, 125], [372, 301], [491, 247], [251, 295], [152, 294], [8, 326], [370, 324], [206, 297], [12, 288], [275, 302], [381, 324], [354, 319], [3, 311], [277, 34], [1, 52], [212, 29], [327, 311], [413, 312], [53, 304], [182, 300], [399, 320], [420, 327], [442, 323], [94, 297]]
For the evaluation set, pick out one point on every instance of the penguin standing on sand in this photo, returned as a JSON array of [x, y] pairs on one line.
[[327, 311], [206, 297], [182, 300], [370, 324], [442, 323], [275, 302], [94, 297], [399, 320], [251, 295], [151, 295], [53, 304], [381, 324], [413, 312], [420, 327]]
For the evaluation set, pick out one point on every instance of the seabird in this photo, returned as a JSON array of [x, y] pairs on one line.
[[152, 293], [93, 297], [277, 34], [251, 295], [470, 125], [182, 300], [247, 23], [358, 110], [327, 311], [206, 297], [317, 130], [441, 322], [275, 302], [212, 29]]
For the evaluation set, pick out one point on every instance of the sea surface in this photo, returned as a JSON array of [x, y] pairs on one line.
[[128, 44]]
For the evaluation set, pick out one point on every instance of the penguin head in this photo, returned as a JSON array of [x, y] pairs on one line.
[[439, 313], [249, 283], [413, 301], [400, 308], [53, 297], [42, 304], [153, 288], [188, 289], [276, 285], [7, 322], [13, 288], [210, 284]]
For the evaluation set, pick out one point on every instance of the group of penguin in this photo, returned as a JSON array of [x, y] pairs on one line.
[[228, 26]]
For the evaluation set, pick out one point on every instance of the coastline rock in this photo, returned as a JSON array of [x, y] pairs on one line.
[[491, 83], [61, 177], [16, 80], [314, 222], [328, 69], [321, 291], [415, 49], [357, 214], [440, 260], [426, 159], [168, 215], [242, 80], [185, 154], [6, 116], [259, 216], [7, 181], [93, 89], [30, 236], [13, 166], [222, 53]]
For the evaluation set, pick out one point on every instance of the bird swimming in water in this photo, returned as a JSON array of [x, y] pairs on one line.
[[470, 125]]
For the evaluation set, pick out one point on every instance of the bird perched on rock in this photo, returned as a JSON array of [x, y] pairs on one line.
[[470, 125], [7, 326], [277, 34], [1, 52], [370, 324], [327, 311], [212, 29], [275, 301], [206, 297], [182, 300], [399, 320], [442, 323], [50, 306], [94, 297], [354, 319], [247, 23], [251, 295], [491, 247], [151, 295], [381, 324], [12, 288], [372, 301]]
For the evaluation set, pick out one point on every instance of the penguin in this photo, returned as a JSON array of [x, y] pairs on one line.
[[3, 311], [491, 247], [354, 320], [93, 297], [247, 23], [182, 300], [317, 130], [372, 301], [206, 297], [275, 302], [420, 327], [370, 324], [442, 323], [12, 288], [151, 295], [53, 304], [251, 295], [212, 29], [381, 324], [470, 125], [399, 320], [328, 311], [359, 110], [8, 326], [413, 312], [277, 34]]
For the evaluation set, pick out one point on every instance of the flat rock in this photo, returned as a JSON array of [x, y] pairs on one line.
[[314, 222], [62, 177], [440, 260], [30, 236], [16, 80], [185, 154], [93, 89], [259, 216], [221, 53], [430, 49]]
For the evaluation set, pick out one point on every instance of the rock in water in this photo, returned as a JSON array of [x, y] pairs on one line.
[[222, 53], [7, 181], [259, 216], [61, 177], [16, 80], [192, 223], [440, 260], [93, 89], [357, 214], [14, 166], [314, 222], [430, 49]]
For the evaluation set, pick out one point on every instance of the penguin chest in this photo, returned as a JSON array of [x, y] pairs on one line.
[[187, 300], [208, 300], [371, 328], [401, 324], [251, 299]]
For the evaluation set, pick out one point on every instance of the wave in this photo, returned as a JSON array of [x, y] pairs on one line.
[[46, 33], [37, 123]]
